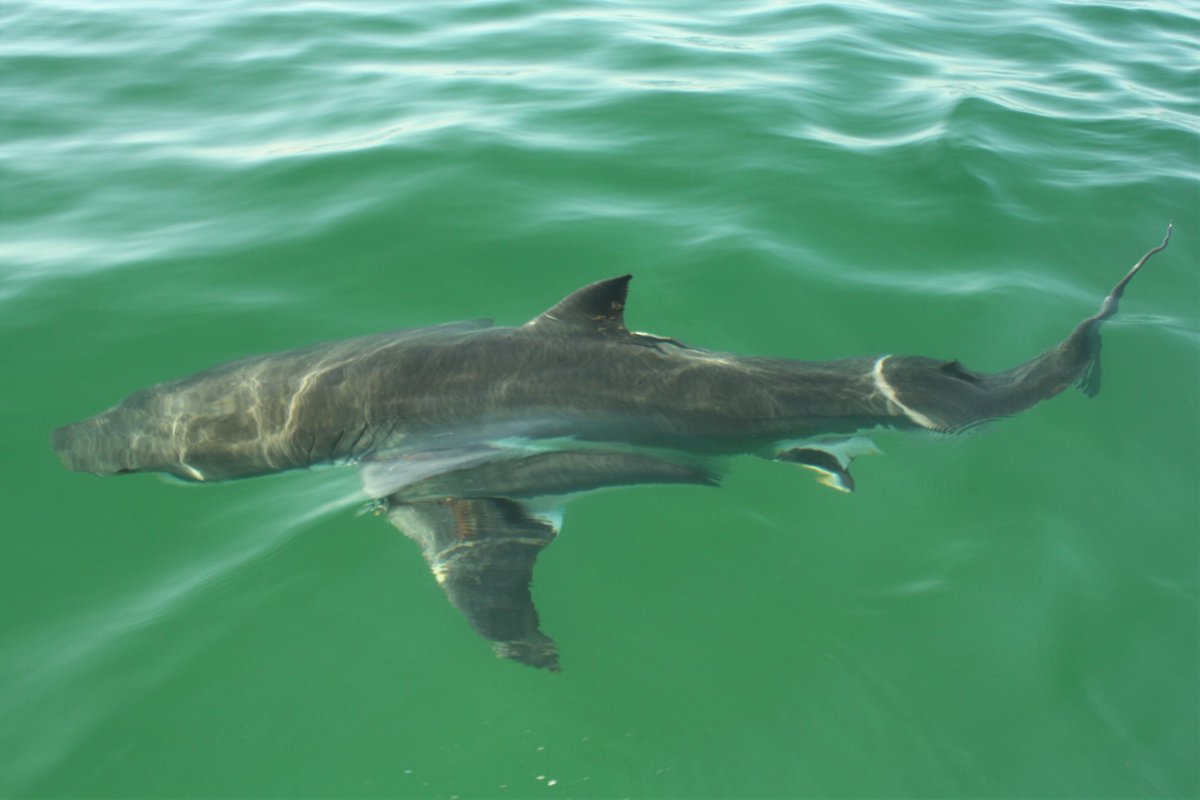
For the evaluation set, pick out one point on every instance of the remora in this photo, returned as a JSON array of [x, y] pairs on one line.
[[470, 437]]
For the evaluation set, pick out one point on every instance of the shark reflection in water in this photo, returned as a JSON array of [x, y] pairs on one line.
[[470, 437]]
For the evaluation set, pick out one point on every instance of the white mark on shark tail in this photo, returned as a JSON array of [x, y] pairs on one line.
[[881, 383]]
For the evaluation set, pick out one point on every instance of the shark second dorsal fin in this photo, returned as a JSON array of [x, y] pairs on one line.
[[596, 308]]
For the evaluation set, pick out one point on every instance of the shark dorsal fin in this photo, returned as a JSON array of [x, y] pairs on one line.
[[596, 308]]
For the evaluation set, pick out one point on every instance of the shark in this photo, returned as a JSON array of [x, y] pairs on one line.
[[470, 437]]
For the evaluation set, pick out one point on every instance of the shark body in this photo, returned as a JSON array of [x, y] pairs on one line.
[[470, 437]]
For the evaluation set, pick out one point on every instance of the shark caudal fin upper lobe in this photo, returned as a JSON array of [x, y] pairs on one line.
[[945, 395]]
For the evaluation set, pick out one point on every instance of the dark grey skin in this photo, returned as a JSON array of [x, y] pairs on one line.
[[463, 431]]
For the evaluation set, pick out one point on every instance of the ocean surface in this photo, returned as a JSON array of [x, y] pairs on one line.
[[1011, 613]]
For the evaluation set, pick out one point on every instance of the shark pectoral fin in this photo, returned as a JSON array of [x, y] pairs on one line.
[[482, 553], [830, 459]]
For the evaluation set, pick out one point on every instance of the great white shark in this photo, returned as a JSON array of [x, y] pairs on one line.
[[470, 437]]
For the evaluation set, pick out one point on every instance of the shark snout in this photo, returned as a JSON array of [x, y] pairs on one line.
[[103, 444]]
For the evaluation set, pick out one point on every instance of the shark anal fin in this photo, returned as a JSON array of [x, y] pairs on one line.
[[482, 552]]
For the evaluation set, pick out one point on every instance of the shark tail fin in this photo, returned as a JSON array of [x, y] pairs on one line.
[[946, 396], [1089, 330]]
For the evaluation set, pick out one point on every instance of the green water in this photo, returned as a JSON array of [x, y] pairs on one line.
[[1008, 614]]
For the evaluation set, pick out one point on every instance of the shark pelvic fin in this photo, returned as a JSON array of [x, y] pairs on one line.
[[596, 308], [829, 458]]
